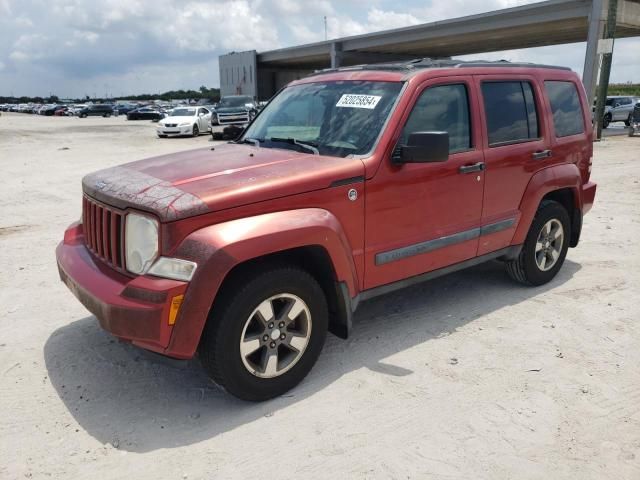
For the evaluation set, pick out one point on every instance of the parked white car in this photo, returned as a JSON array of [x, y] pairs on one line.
[[618, 108], [185, 121]]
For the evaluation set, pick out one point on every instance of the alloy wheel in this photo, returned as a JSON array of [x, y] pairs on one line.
[[549, 244], [275, 335]]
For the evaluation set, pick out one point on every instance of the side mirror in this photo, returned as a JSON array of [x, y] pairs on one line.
[[425, 147]]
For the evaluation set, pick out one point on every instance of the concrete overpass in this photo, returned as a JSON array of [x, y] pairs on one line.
[[552, 22]]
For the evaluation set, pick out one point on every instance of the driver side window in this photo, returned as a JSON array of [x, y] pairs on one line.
[[443, 108]]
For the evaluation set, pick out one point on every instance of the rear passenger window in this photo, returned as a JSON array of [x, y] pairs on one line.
[[565, 105], [511, 112], [444, 108]]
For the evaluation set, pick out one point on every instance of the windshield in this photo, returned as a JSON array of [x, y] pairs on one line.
[[335, 118], [235, 101], [183, 112]]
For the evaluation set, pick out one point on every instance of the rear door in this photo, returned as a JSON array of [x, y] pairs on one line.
[[570, 129], [515, 145]]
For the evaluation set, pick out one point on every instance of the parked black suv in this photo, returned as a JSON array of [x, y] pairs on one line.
[[96, 111], [234, 110]]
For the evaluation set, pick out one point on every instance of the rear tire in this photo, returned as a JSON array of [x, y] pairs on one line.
[[627, 122], [545, 247], [237, 318], [195, 131]]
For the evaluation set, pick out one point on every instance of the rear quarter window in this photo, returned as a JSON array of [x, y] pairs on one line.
[[565, 106]]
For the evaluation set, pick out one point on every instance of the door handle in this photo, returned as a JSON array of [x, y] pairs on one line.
[[539, 155], [476, 167]]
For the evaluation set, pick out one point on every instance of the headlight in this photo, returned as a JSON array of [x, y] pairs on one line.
[[141, 242], [175, 268], [184, 124]]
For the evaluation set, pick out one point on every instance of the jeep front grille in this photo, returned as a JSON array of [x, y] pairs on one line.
[[104, 232]]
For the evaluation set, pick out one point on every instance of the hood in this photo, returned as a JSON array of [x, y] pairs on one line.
[[190, 183]]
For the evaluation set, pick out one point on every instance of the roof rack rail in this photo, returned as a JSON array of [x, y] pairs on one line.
[[419, 63]]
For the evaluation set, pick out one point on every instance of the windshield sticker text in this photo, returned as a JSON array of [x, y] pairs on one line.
[[358, 101]]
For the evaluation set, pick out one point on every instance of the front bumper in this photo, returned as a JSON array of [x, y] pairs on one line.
[[134, 309], [174, 131]]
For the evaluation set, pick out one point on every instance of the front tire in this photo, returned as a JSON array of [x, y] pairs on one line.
[[545, 247], [606, 121], [627, 122], [264, 336]]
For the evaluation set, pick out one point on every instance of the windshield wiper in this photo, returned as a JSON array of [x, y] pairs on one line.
[[253, 141], [312, 147]]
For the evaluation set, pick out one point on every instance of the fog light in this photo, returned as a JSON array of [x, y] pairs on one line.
[[174, 268], [176, 302]]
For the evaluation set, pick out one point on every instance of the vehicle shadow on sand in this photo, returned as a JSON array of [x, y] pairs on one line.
[[138, 403]]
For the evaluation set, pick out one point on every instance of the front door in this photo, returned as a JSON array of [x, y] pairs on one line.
[[425, 216]]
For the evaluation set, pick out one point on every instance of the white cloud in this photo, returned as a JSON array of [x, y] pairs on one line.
[[5, 7], [139, 45], [23, 22]]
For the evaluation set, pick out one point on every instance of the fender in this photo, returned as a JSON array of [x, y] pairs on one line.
[[217, 249], [547, 180]]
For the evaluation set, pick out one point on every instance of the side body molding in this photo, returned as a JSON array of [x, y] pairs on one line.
[[546, 180], [217, 249]]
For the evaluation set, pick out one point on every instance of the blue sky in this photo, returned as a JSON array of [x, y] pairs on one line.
[[87, 47]]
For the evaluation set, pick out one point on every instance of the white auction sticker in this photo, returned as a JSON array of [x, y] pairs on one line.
[[352, 100]]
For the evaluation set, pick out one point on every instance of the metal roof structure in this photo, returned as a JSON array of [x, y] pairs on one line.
[[550, 22]]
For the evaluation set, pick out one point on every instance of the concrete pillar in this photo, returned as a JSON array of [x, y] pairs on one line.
[[336, 54], [597, 21], [607, 57]]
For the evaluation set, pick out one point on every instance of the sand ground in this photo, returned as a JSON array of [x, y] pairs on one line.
[[469, 376]]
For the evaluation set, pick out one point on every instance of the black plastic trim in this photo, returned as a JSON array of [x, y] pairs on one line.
[[576, 228], [424, 247], [430, 245], [507, 253], [347, 181], [342, 319], [497, 227]]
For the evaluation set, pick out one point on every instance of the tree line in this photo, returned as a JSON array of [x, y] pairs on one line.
[[202, 93]]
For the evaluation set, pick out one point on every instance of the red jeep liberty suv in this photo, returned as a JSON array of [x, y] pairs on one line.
[[351, 183]]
